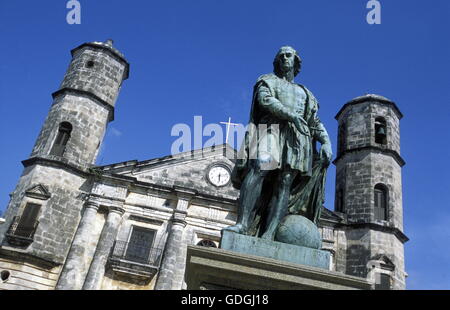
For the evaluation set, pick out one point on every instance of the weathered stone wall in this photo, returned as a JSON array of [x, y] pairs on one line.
[[59, 215], [354, 177], [359, 122], [88, 119], [358, 251], [114, 281], [150, 203], [86, 100], [341, 251], [361, 165], [358, 174], [365, 245], [386, 171], [204, 216], [24, 275], [358, 125], [83, 248], [96, 71], [189, 173], [382, 243], [213, 215]]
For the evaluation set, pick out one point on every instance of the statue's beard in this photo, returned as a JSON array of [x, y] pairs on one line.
[[287, 72], [286, 67]]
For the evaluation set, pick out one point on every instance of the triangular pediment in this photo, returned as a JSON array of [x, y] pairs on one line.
[[386, 261], [330, 216], [188, 169], [38, 191]]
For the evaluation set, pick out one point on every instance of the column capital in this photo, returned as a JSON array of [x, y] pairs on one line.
[[115, 209], [91, 205], [182, 205], [179, 218], [185, 196]]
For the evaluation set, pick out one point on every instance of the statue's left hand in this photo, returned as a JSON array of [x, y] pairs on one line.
[[326, 153]]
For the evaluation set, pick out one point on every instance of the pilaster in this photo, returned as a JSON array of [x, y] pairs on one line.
[[107, 237], [171, 274], [75, 268]]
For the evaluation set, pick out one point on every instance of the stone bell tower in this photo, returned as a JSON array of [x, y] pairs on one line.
[[369, 189], [44, 210]]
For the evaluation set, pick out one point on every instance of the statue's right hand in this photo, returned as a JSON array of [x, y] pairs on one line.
[[301, 126]]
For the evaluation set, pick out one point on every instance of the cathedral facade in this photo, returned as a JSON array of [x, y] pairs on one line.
[[71, 224]]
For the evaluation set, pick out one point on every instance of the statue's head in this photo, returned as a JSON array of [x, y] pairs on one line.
[[287, 60]]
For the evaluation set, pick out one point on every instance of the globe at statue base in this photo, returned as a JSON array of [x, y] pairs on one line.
[[298, 230]]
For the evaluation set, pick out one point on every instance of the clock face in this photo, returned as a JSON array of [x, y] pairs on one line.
[[219, 175]]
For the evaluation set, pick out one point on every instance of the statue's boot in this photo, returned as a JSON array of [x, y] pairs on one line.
[[269, 234], [250, 192], [238, 228]]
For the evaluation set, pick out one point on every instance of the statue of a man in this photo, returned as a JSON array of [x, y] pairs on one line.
[[279, 171]]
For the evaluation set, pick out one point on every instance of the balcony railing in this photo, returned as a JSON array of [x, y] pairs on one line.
[[134, 260], [19, 234], [136, 253]]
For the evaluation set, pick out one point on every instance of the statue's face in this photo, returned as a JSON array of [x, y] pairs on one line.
[[286, 58]]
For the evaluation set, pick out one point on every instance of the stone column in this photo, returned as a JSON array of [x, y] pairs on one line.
[[328, 244], [106, 241], [171, 272], [75, 269]]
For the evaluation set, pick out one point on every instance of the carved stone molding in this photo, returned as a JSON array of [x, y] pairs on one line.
[[92, 205], [38, 191], [179, 218], [116, 209]]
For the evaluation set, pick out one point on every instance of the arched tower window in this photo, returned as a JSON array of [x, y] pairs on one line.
[[342, 137], [207, 243], [380, 131], [59, 146], [340, 201], [381, 202]]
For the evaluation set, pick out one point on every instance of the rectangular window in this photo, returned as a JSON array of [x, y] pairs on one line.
[[340, 201], [28, 220], [140, 244], [61, 140], [385, 282], [60, 144], [379, 199], [380, 205], [342, 138]]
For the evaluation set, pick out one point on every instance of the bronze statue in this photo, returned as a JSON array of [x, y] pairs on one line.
[[279, 171]]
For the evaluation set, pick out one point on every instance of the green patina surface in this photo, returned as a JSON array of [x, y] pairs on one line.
[[276, 250]]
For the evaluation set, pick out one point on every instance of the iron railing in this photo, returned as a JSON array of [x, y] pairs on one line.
[[136, 253], [21, 230]]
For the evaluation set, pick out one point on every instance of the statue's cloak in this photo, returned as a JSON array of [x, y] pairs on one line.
[[307, 192]]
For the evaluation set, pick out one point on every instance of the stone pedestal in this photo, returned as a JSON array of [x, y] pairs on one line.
[[210, 268], [272, 249]]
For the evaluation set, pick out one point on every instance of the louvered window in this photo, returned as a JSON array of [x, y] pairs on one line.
[[59, 146], [381, 203]]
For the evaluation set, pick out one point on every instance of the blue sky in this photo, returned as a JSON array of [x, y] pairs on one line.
[[202, 58]]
